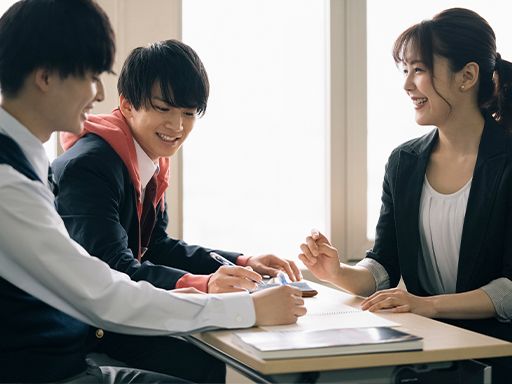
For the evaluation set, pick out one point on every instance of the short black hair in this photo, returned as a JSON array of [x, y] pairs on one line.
[[68, 36], [175, 66]]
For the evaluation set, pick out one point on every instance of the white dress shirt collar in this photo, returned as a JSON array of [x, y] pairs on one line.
[[147, 168], [30, 145]]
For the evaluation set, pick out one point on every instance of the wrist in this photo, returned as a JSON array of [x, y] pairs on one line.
[[338, 275], [432, 303]]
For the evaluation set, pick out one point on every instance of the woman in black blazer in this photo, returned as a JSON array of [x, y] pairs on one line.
[[445, 224]]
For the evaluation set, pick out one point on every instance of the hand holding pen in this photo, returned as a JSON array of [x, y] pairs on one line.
[[231, 277]]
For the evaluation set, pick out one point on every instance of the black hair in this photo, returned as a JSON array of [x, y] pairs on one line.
[[462, 36], [68, 36], [175, 66]]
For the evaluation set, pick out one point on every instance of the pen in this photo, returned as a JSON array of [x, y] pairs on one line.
[[222, 260], [282, 278]]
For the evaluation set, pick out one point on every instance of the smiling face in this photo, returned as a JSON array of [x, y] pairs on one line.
[[74, 97], [434, 96], [159, 129]]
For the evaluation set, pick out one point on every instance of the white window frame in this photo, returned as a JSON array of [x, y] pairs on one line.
[[348, 111]]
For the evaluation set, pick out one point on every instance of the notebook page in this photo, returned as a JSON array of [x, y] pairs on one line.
[[329, 311]]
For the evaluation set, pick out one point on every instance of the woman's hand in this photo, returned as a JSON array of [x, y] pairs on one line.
[[398, 300], [320, 257]]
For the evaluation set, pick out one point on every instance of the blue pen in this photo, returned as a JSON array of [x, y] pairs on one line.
[[282, 278], [222, 260]]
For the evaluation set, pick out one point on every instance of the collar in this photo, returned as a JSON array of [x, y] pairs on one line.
[[30, 145], [147, 168]]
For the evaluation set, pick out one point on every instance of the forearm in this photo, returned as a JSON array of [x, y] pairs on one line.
[[474, 304], [355, 279], [58, 271]]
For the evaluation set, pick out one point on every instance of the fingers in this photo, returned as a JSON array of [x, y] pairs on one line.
[[279, 305], [386, 299], [271, 265], [316, 245], [307, 262], [287, 266], [296, 270], [307, 254], [241, 272], [312, 245], [233, 279], [317, 236]]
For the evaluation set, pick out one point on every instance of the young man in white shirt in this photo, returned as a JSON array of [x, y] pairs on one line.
[[51, 289]]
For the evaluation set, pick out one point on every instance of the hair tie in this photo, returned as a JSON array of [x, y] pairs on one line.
[[498, 62]]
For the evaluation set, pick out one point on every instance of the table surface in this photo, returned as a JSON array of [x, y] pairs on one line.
[[441, 342]]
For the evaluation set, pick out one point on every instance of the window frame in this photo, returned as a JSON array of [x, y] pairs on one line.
[[348, 133]]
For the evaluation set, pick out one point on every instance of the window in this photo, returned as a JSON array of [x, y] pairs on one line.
[[255, 167], [390, 113]]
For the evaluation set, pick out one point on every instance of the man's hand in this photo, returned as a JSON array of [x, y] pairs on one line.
[[278, 305], [233, 279], [271, 265]]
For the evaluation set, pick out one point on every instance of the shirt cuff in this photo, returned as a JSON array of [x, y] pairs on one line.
[[232, 310], [242, 260], [379, 273], [199, 282], [500, 293]]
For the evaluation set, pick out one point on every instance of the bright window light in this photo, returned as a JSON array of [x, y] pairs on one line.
[[255, 171]]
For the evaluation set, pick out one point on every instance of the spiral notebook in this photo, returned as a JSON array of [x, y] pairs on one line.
[[330, 313], [327, 342]]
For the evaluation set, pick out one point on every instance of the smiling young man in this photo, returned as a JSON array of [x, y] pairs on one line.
[[112, 182], [51, 290]]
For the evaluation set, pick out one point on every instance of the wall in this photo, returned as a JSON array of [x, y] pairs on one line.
[[138, 23]]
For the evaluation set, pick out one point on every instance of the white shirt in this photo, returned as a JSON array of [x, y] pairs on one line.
[[441, 220], [38, 256], [147, 168]]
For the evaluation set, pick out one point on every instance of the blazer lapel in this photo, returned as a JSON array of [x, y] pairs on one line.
[[409, 183], [488, 170]]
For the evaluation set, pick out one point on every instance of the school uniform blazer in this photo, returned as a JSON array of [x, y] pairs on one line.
[[98, 203], [486, 243]]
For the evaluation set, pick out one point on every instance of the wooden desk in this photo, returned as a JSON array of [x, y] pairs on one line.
[[442, 343]]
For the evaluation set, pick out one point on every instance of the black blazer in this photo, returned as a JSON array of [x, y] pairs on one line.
[[486, 244], [97, 202]]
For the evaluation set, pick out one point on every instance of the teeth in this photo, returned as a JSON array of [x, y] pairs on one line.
[[420, 101], [166, 137]]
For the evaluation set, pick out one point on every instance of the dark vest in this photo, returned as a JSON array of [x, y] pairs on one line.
[[38, 342]]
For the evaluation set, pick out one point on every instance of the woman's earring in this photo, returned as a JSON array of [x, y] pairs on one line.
[[462, 87]]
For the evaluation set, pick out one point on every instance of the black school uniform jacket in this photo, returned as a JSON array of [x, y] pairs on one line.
[[99, 201], [486, 244]]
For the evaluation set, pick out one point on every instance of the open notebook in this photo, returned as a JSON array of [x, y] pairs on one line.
[[328, 311], [327, 342]]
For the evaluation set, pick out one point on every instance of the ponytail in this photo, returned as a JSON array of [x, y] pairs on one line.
[[501, 106]]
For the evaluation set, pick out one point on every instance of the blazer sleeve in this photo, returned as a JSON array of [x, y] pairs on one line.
[[385, 249], [175, 253], [89, 198]]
